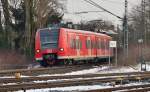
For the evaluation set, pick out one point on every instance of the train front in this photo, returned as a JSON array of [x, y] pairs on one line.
[[46, 44]]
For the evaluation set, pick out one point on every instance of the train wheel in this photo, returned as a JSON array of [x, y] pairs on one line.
[[85, 61], [44, 64], [65, 62], [96, 60], [61, 62], [50, 62], [74, 62], [70, 62]]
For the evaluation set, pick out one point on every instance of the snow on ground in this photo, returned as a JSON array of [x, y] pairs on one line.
[[22, 76], [86, 71], [120, 70], [104, 69], [108, 69], [96, 69], [81, 88], [71, 88]]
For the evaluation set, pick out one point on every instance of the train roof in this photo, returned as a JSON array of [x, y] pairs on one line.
[[75, 30], [83, 31]]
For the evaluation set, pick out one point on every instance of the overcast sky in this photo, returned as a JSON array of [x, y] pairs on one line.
[[114, 6]]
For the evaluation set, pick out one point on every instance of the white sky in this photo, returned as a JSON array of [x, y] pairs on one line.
[[115, 6]]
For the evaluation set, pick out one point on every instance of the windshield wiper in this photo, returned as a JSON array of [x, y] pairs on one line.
[[45, 43]]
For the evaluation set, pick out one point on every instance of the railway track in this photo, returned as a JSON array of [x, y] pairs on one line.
[[131, 88], [109, 77], [49, 70], [25, 83]]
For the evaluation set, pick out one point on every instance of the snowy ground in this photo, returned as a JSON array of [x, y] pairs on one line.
[[80, 88], [105, 69]]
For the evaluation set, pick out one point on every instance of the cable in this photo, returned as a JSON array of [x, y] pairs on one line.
[[86, 12], [115, 2], [100, 7]]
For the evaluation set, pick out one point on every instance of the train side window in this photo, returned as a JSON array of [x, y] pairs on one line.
[[93, 44], [102, 44], [88, 44], [107, 44], [99, 44], [76, 46], [80, 44], [72, 43], [96, 44]]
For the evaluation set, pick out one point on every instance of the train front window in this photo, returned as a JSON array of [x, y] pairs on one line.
[[49, 38]]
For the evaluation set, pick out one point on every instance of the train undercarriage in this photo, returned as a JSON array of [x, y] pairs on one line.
[[51, 60]]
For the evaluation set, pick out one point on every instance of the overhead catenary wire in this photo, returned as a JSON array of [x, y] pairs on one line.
[[114, 2], [87, 12], [100, 7], [117, 2]]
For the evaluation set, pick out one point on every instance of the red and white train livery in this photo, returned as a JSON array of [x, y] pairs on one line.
[[55, 45]]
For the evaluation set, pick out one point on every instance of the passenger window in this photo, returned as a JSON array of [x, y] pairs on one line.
[[102, 44], [99, 44], [76, 47], [107, 45], [93, 44], [72, 43], [96, 44], [88, 44], [80, 44]]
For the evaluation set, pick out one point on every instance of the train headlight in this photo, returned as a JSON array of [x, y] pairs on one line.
[[61, 49], [37, 50]]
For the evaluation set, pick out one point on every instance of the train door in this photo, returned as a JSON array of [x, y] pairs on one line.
[[103, 47], [78, 46], [93, 43], [98, 43], [71, 49], [96, 40], [107, 47], [88, 45]]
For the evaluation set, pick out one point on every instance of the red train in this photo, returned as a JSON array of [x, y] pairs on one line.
[[62, 45]]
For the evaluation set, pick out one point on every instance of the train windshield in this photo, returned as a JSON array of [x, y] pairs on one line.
[[49, 38]]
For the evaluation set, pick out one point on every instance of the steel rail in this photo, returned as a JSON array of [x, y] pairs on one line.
[[32, 85], [54, 70], [50, 70], [70, 77], [132, 88], [138, 90]]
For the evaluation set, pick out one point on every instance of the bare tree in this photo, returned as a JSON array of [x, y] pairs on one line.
[[42, 10], [1, 28], [6, 12], [37, 13], [8, 23], [28, 24]]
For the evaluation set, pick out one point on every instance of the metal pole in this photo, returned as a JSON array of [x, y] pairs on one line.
[[126, 26], [143, 21], [116, 57], [109, 55], [125, 29]]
